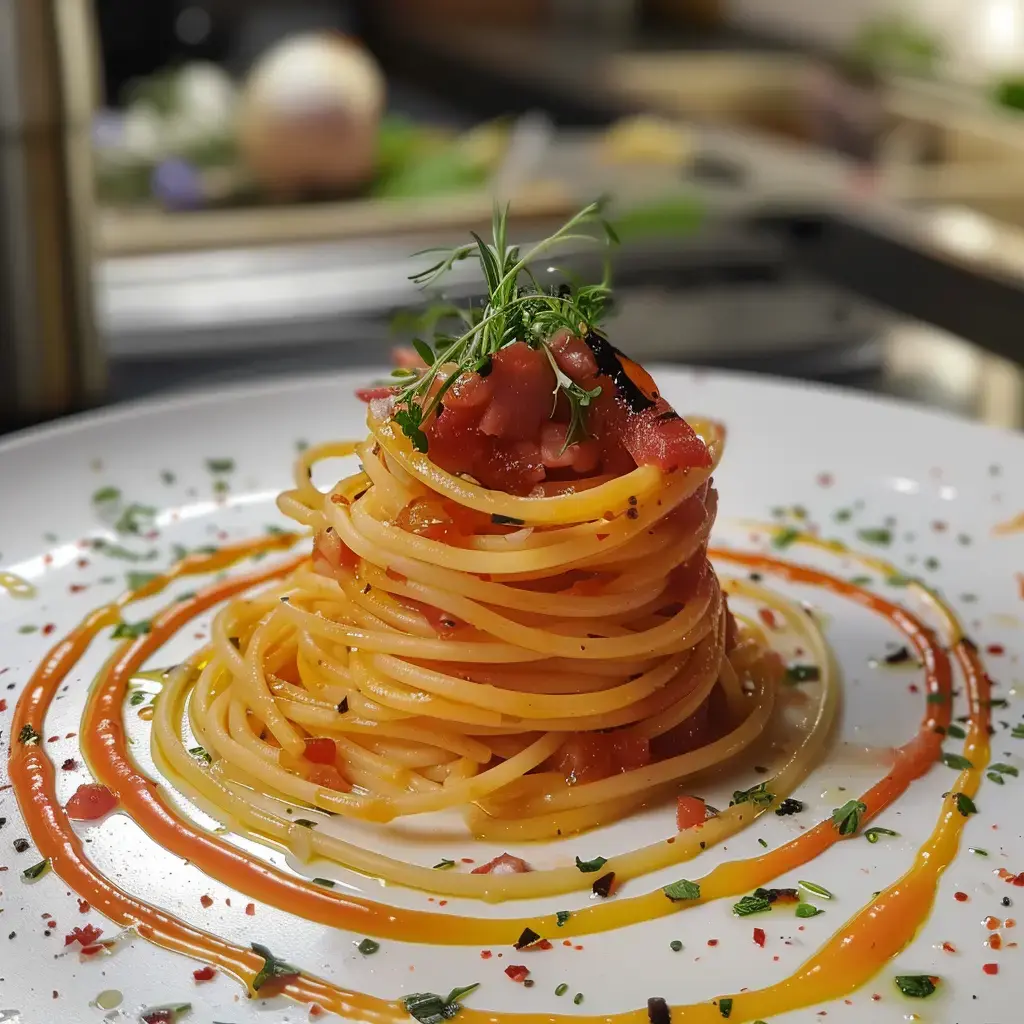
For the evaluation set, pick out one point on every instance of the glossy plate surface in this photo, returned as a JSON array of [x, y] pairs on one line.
[[924, 492]]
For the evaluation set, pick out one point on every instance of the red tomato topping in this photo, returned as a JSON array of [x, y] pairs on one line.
[[690, 811], [329, 777], [759, 937], [90, 801], [592, 756], [522, 386], [519, 973], [86, 936], [321, 750], [207, 901], [371, 394], [990, 968], [206, 973], [506, 864]]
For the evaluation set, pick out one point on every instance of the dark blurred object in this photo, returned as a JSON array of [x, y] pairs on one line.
[[1009, 92], [51, 360], [847, 108], [898, 44]]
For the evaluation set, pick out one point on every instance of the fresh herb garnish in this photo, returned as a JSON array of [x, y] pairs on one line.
[[138, 580], [808, 910], [444, 864], [138, 697], [29, 736], [586, 866], [957, 761], [996, 778], [562, 916], [1017, 732], [956, 731], [916, 986], [36, 871], [106, 496], [131, 630], [326, 882], [500, 520], [725, 1007], [134, 518], [368, 947], [682, 890], [202, 753], [676, 946], [803, 674], [272, 968], [220, 465], [751, 905], [429, 1008], [757, 795], [872, 834], [561, 989], [847, 818], [305, 822], [964, 804], [875, 535], [815, 889], [516, 309], [1004, 769], [785, 537], [119, 551]]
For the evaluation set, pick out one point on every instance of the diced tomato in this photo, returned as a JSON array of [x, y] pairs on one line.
[[406, 357], [573, 356], [759, 937], [321, 750], [517, 973], [470, 393], [86, 936], [506, 864], [206, 901], [522, 387], [660, 437], [372, 394], [583, 457], [592, 756], [160, 1016], [690, 811], [206, 973], [685, 579], [328, 776], [90, 801]]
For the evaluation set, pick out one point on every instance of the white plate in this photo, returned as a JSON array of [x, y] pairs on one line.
[[941, 485]]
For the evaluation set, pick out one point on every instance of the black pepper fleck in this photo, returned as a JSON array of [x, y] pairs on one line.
[[21, 845]]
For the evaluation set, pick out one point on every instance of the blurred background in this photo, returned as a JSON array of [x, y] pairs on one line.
[[194, 192]]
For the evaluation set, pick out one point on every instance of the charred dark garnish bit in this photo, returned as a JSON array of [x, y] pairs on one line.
[[899, 657], [725, 1007], [28, 736], [658, 1011], [789, 806], [528, 938], [500, 520], [272, 968], [803, 674], [603, 886]]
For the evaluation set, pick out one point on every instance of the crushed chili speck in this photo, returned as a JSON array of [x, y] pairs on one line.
[[995, 649], [517, 972], [49, 628], [991, 923], [207, 901], [84, 907], [3, 705], [949, 947], [1009, 923], [767, 616], [712, 942], [485, 954], [990, 968], [250, 909], [995, 941], [206, 973], [759, 937], [960, 897]]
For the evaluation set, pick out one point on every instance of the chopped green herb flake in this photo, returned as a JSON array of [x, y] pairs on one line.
[[36, 871], [682, 890], [272, 967], [138, 580], [803, 674], [134, 518], [861, 581], [847, 818], [676, 946], [368, 947], [785, 537], [326, 882], [964, 804], [562, 916], [815, 889], [763, 843], [956, 731], [842, 515], [201, 753], [996, 778], [977, 851], [131, 630], [506, 520], [757, 795], [220, 465], [444, 864], [808, 910], [956, 761], [167, 477], [28, 629], [916, 986], [1018, 732], [29, 736], [587, 866], [996, 702], [872, 834], [562, 989], [875, 535], [106, 496], [1004, 769], [751, 905], [138, 697], [936, 698], [725, 1007], [577, 999]]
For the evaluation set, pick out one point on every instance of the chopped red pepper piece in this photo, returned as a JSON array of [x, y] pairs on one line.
[[517, 973], [206, 973], [90, 801]]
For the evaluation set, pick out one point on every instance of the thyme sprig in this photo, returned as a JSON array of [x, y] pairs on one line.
[[517, 308]]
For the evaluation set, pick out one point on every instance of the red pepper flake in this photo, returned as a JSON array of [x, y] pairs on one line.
[[602, 536], [316, 1010], [767, 616], [995, 649], [991, 923], [468, 860], [49, 628], [442, 903], [949, 947], [207, 901], [84, 907], [712, 942], [995, 941], [566, 942], [206, 973], [1018, 880], [82, 563], [86, 936], [914, 688], [579, 949], [93, 949], [485, 954], [77, 588], [52, 739], [990, 968], [961, 897], [3, 705], [826, 479], [517, 973], [876, 998], [1009, 923], [543, 944], [69, 765], [250, 909], [47, 559], [759, 937]]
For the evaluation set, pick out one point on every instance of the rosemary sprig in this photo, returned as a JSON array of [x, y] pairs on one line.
[[517, 308]]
